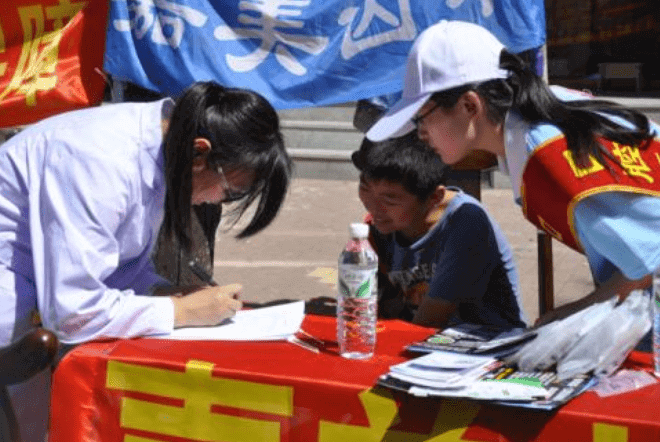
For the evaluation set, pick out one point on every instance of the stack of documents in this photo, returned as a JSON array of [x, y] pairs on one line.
[[463, 376], [467, 362], [279, 322]]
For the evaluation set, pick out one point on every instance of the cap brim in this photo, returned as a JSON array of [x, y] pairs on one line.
[[398, 119]]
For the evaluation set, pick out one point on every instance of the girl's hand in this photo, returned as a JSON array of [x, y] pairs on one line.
[[207, 306], [616, 285]]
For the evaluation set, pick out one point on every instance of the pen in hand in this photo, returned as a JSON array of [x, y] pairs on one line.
[[201, 273]]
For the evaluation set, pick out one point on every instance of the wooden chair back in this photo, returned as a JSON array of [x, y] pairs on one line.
[[19, 362]]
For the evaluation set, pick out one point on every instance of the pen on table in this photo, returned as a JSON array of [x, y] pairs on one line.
[[201, 273], [313, 338], [306, 345]]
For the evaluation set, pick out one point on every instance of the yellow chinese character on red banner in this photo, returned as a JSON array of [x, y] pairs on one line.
[[631, 161], [3, 65], [35, 70], [199, 390], [579, 172]]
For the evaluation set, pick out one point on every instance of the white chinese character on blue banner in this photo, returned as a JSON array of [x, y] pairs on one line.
[[403, 28], [159, 14], [270, 31], [487, 6]]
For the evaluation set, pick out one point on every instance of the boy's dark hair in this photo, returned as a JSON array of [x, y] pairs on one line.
[[405, 160]]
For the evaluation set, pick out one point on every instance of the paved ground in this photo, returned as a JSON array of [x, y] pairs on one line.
[[295, 257]]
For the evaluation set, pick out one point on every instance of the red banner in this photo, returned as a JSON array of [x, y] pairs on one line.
[[51, 57]]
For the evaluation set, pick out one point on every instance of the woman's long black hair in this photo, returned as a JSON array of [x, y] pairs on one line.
[[244, 132], [581, 121]]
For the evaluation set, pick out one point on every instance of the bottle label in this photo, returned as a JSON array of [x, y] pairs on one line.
[[357, 283]]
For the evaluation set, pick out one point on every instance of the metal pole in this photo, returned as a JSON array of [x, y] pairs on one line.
[[544, 241]]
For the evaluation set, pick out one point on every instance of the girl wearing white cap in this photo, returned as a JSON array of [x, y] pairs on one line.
[[586, 171]]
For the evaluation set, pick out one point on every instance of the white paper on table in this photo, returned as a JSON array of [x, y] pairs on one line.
[[260, 324]]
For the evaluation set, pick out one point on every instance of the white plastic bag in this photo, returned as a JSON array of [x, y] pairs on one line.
[[554, 340], [605, 346]]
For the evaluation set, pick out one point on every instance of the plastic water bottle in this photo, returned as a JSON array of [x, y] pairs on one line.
[[656, 321], [357, 299]]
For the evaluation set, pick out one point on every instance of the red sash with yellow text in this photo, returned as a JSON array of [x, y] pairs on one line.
[[553, 183]]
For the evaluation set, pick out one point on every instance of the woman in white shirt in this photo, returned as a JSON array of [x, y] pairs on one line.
[[83, 195]]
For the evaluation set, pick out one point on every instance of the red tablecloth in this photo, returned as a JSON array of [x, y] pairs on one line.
[[163, 390]]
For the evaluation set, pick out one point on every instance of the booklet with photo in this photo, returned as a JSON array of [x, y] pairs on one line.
[[475, 339]]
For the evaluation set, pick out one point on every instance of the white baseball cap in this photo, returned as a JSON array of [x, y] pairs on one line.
[[444, 56]]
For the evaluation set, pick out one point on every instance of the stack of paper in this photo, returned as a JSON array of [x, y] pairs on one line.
[[463, 376], [263, 324], [484, 378], [443, 370]]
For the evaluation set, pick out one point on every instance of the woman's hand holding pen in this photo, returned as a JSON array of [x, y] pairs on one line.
[[207, 306]]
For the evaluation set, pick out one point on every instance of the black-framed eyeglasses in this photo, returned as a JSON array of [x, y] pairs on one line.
[[420, 118], [230, 195]]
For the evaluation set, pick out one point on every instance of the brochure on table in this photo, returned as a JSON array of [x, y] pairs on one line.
[[475, 339]]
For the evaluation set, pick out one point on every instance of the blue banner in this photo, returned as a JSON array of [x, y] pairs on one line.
[[297, 53]]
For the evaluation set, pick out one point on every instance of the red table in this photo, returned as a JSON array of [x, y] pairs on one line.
[[161, 390]]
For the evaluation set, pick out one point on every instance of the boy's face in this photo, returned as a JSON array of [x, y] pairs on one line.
[[392, 207]]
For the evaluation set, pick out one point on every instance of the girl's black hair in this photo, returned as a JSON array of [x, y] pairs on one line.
[[581, 121], [244, 132], [405, 160]]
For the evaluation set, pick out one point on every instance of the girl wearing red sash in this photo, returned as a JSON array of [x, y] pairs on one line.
[[586, 171]]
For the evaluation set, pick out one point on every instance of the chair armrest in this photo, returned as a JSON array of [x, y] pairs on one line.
[[26, 357]]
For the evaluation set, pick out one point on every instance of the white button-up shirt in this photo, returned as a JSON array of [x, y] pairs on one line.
[[81, 203]]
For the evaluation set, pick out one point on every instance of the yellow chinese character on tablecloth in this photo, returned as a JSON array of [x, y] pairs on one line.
[[631, 161], [199, 390], [35, 70]]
